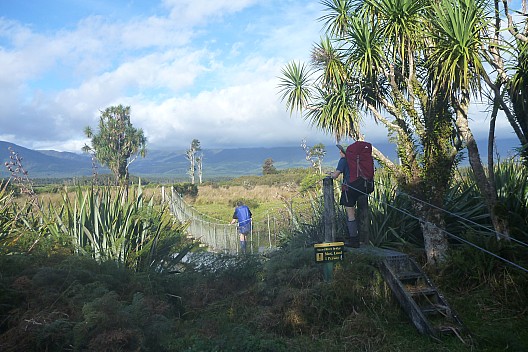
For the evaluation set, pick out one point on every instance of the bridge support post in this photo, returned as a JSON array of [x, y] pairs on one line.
[[329, 223], [363, 216], [329, 211]]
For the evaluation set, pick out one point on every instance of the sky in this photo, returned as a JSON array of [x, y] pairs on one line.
[[189, 69]]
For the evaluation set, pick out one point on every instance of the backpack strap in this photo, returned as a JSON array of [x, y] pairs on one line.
[[357, 168]]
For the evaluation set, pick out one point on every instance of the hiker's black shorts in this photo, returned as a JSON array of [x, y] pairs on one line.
[[350, 194]]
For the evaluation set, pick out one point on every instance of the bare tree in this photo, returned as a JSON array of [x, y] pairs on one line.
[[190, 154], [199, 167], [315, 155]]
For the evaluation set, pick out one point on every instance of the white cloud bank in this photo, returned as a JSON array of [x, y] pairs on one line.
[[188, 69]]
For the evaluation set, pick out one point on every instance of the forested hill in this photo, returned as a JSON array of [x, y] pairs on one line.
[[174, 165]]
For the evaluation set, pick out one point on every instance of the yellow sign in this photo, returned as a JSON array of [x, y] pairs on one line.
[[328, 252]]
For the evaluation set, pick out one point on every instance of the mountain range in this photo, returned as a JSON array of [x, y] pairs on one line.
[[173, 165], [161, 164]]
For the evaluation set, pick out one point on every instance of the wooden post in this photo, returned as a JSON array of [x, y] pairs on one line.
[[269, 232], [329, 211], [329, 222], [363, 216]]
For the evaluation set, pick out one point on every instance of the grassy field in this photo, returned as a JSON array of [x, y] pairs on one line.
[[219, 201]]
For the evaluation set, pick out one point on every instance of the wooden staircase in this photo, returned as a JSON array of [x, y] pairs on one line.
[[425, 305]]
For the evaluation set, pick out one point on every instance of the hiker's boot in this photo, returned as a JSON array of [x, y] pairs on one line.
[[353, 234]]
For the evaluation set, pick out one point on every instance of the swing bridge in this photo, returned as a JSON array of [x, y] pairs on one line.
[[416, 293], [219, 235]]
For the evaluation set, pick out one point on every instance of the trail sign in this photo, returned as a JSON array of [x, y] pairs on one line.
[[328, 252]]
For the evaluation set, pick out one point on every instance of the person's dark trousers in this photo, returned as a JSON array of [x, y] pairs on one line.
[[353, 234]]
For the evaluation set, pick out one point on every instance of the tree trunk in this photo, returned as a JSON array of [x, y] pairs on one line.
[[435, 239], [482, 181], [192, 168], [491, 144]]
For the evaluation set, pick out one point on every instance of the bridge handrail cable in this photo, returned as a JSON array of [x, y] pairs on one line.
[[445, 231]]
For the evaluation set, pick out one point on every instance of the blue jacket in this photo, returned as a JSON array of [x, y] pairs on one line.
[[342, 166], [243, 215]]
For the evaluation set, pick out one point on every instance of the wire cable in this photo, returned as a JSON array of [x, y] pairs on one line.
[[462, 218], [446, 232]]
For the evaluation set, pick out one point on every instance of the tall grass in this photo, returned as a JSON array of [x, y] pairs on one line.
[[112, 225], [392, 221], [219, 201]]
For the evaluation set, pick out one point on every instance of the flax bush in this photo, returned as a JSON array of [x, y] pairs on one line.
[[390, 226], [105, 223], [111, 225]]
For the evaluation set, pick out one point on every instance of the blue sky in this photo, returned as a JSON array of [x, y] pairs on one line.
[[189, 69]]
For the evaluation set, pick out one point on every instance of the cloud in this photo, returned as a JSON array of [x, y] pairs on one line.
[[245, 115], [199, 12], [188, 68], [179, 89]]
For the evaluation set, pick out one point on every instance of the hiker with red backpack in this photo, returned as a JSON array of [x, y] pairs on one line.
[[357, 167]]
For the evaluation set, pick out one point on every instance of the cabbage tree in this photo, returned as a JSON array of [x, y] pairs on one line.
[[117, 143]]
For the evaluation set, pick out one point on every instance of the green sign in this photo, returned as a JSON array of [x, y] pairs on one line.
[[328, 252]]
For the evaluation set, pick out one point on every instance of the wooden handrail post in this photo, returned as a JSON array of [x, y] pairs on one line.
[[363, 216], [329, 211]]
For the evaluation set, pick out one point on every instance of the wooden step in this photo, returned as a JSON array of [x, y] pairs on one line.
[[409, 276], [418, 296], [436, 309], [448, 329], [421, 291]]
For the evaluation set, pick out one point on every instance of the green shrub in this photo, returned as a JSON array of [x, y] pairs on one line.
[[186, 189], [251, 203], [74, 303]]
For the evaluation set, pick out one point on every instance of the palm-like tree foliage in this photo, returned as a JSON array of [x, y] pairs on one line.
[[335, 112], [456, 57], [518, 92], [336, 21], [403, 24], [366, 55], [519, 81], [330, 59], [295, 86]]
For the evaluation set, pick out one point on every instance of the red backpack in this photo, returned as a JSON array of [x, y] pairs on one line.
[[360, 161]]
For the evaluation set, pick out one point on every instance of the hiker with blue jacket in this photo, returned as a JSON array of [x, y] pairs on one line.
[[348, 198], [243, 215]]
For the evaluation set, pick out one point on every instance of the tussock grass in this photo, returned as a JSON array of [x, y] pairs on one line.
[[228, 194], [219, 201]]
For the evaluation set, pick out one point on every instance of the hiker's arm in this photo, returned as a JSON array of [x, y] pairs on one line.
[[334, 174]]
